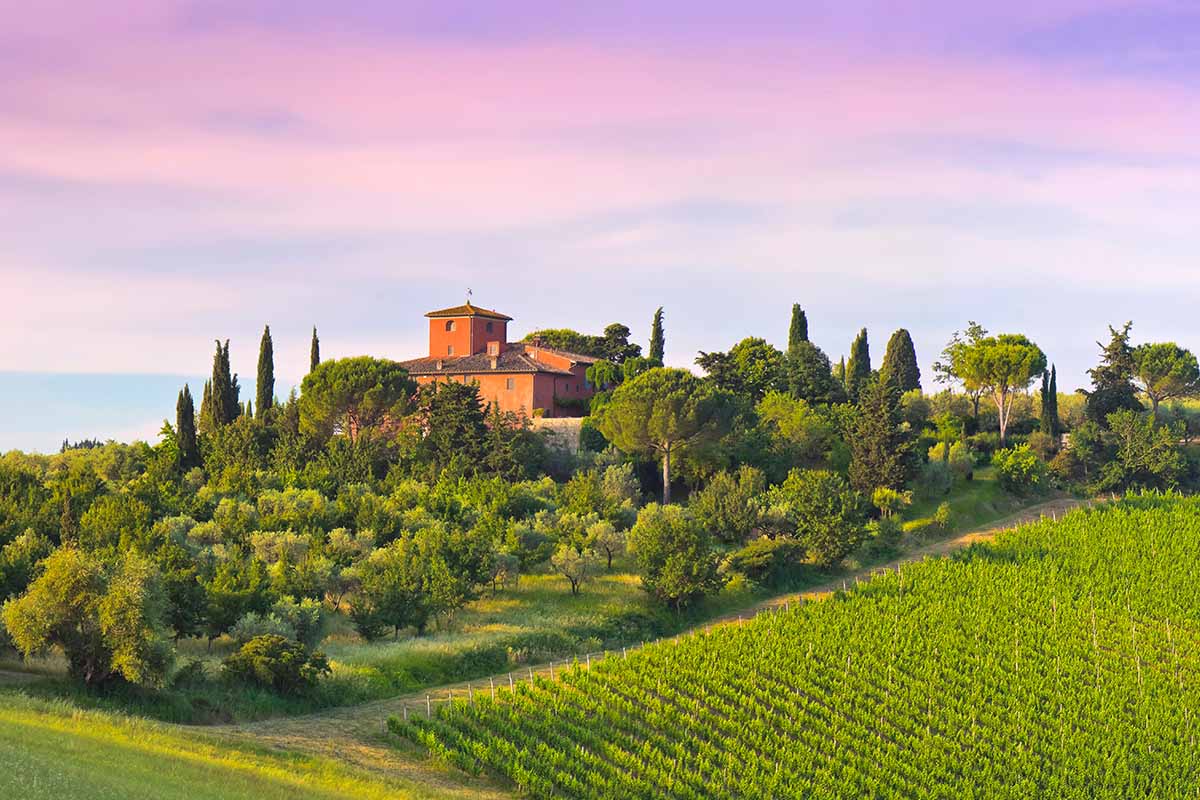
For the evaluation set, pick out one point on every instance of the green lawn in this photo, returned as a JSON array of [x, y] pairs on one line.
[[974, 503], [54, 751]]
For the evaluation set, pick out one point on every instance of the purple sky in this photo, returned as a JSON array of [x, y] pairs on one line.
[[171, 172]]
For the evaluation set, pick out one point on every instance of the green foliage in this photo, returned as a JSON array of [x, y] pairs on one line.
[[767, 561], [1165, 371], [657, 338], [662, 413], [264, 388], [1019, 470], [751, 368], [858, 366], [277, 663], [604, 375], [108, 619], [314, 351], [879, 446], [1112, 380], [797, 329], [799, 434], [810, 377], [889, 500], [115, 522], [943, 517], [223, 405], [1002, 366], [674, 555], [576, 565], [729, 506], [900, 363], [353, 395], [1146, 455], [822, 510], [185, 430]]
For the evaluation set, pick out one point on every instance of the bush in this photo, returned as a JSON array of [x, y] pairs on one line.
[[307, 619], [674, 555], [823, 510], [767, 561], [944, 517], [274, 662], [728, 506], [253, 625], [935, 480], [1019, 470]]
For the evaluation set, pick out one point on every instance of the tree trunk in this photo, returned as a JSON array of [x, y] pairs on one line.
[[1001, 411], [667, 476]]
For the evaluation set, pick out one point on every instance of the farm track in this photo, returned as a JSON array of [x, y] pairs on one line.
[[356, 734]]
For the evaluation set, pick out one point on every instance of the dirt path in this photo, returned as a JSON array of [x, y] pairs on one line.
[[356, 733]]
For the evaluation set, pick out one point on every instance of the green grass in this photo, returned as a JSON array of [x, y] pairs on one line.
[[974, 503], [54, 751]]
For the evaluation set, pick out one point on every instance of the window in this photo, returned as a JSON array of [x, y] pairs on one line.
[[493, 348], [449, 349], [510, 384], [489, 327], [450, 326]]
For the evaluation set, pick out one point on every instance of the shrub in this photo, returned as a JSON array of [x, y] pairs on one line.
[[728, 506], [935, 480], [674, 555], [253, 625], [306, 617], [889, 501], [767, 561], [1019, 470], [276, 663], [823, 510], [944, 517]]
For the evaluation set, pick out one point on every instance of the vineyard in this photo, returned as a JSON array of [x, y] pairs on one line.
[[1062, 660]]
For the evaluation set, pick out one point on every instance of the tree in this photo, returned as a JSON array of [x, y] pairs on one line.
[[674, 554], [1003, 366], [800, 433], [606, 540], [455, 423], [185, 431], [879, 448], [108, 620], [798, 330], [1164, 371], [1112, 380], [225, 406], [314, 351], [577, 566], [662, 412], [823, 511], [858, 368], [952, 366], [615, 345], [809, 377], [728, 507], [277, 663], [352, 395], [657, 339], [265, 385], [751, 368], [900, 363], [1147, 456], [604, 375]]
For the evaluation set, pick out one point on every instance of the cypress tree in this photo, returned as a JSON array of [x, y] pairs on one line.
[[900, 363], [206, 420], [314, 351], [185, 430], [1055, 425], [265, 387], [798, 331], [879, 449], [225, 407], [858, 368], [657, 340], [839, 371]]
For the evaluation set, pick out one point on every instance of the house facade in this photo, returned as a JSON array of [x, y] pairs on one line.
[[469, 344]]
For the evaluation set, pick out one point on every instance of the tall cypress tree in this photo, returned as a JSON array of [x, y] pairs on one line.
[[225, 407], [314, 351], [205, 423], [900, 363], [858, 368], [265, 387], [185, 430], [1055, 425], [879, 448], [798, 331], [657, 339]]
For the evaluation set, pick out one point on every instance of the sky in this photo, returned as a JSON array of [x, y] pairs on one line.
[[172, 172]]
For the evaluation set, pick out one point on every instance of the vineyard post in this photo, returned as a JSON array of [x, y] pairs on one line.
[[589, 660], [623, 653], [470, 694], [428, 707], [492, 684], [406, 713], [531, 676], [551, 670], [844, 589]]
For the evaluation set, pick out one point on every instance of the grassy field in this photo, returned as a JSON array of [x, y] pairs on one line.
[[1060, 660], [54, 751]]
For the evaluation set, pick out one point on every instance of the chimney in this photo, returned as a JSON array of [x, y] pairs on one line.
[[495, 361], [438, 364]]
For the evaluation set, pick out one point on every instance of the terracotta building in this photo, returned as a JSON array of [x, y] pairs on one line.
[[470, 344]]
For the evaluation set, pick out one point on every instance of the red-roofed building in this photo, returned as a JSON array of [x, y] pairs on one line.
[[470, 344]]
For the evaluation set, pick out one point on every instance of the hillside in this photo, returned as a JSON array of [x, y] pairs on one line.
[[1060, 660]]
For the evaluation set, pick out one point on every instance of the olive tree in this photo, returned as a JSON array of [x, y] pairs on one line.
[[662, 412]]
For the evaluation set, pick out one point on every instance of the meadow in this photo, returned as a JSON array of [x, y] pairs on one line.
[[1060, 660]]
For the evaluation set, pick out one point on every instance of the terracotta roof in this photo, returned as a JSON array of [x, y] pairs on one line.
[[577, 357], [508, 361], [469, 310]]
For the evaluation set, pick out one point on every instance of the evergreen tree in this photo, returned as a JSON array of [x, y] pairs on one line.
[[1054, 401], [1112, 380], [657, 341], [185, 430], [205, 424], [879, 448], [314, 351], [265, 387], [798, 332], [839, 372], [900, 363], [809, 377], [225, 405], [858, 368], [68, 532]]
